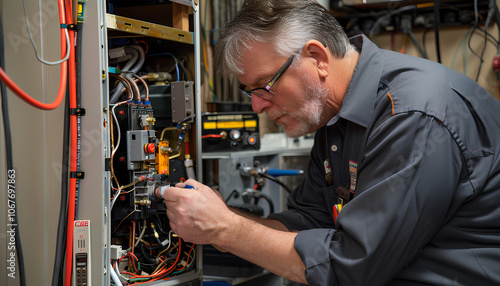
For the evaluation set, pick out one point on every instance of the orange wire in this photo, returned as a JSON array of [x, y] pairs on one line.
[[162, 272], [64, 75], [403, 49], [187, 260], [73, 142]]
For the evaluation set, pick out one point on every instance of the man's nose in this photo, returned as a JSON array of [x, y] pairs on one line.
[[259, 104]]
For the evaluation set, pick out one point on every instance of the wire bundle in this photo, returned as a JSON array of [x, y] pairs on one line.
[[142, 267]]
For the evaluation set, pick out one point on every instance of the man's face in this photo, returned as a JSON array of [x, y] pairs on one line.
[[299, 98]]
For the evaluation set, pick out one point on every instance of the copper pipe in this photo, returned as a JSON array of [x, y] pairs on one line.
[[125, 82]]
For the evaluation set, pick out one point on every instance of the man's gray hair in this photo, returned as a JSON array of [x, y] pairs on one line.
[[287, 24]]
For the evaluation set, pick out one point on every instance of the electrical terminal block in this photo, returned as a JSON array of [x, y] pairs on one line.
[[147, 121], [116, 252]]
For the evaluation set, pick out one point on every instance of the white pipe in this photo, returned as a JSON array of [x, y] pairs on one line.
[[114, 276]]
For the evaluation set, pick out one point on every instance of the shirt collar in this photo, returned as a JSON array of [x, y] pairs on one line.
[[359, 100]]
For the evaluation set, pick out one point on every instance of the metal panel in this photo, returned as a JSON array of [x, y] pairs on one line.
[[36, 139], [134, 26], [94, 194]]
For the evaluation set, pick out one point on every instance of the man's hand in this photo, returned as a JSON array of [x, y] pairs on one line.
[[197, 215], [200, 216]]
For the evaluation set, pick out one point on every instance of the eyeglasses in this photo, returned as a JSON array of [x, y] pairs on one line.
[[265, 92]]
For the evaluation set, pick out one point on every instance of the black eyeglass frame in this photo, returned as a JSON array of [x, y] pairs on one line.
[[268, 86]]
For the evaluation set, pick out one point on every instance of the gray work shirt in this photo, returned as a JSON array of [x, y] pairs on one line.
[[420, 145]]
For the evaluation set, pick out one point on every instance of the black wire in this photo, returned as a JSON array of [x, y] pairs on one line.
[[276, 181], [9, 159], [231, 195], [159, 226], [268, 200], [424, 40], [473, 30], [490, 37], [79, 28], [417, 44], [145, 254], [58, 271], [487, 23], [436, 29], [185, 120], [497, 18]]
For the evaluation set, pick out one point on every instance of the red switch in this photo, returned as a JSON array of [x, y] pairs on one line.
[[496, 63], [149, 148]]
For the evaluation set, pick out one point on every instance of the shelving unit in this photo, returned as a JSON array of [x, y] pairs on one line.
[[138, 27]]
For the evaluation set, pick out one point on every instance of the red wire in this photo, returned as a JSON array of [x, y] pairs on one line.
[[187, 260], [62, 83], [162, 272], [73, 147], [211, 136]]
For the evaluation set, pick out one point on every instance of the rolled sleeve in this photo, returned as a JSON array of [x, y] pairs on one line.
[[313, 248]]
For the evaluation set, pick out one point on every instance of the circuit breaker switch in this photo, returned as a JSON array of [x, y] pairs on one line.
[[136, 151]]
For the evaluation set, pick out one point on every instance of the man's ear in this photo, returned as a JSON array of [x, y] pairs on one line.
[[317, 52]]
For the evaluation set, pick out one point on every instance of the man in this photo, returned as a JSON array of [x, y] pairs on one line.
[[407, 149]]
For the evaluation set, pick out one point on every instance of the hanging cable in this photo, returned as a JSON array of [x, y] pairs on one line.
[[10, 162], [287, 189], [406, 26], [115, 148], [57, 274], [476, 23], [66, 57], [491, 12], [62, 84], [436, 29], [267, 199]]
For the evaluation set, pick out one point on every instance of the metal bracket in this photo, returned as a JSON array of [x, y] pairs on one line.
[[77, 111], [77, 175]]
